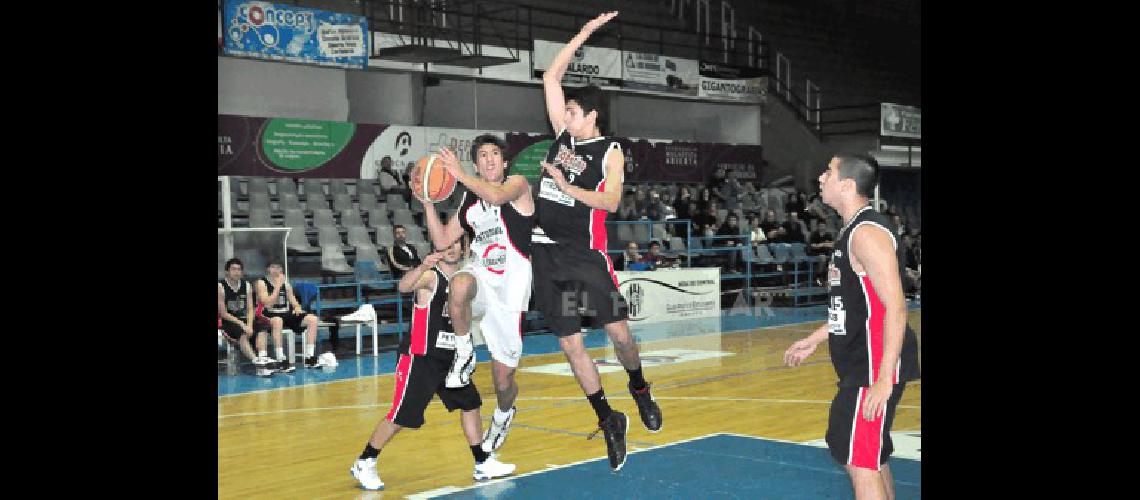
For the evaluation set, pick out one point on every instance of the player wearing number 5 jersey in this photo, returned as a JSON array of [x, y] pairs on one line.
[[873, 350]]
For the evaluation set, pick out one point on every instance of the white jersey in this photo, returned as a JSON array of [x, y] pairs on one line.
[[500, 249]]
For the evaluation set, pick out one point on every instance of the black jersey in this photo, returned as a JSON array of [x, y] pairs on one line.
[[281, 306], [235, 300], [856, 314], [431, 332], [560, 218]]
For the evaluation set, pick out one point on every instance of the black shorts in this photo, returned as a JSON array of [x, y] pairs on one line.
[[570, 283], [872, 444], [233, 331], [417, 379], [292, 321]]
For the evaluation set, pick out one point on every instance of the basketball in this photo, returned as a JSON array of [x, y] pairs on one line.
[[431, 180]]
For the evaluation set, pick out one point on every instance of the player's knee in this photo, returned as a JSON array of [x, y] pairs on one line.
[[572, 345], [276, 322], [462, 288]]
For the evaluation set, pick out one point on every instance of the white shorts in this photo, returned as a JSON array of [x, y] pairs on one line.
[[499, 324]]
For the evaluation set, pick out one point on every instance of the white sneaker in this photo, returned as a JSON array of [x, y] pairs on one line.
[[261, 361], [497, 432], [492, 468], [365, 314], [459, 374], [365, 472]]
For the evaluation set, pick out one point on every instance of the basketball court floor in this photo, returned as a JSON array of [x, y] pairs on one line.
[[737, 423]]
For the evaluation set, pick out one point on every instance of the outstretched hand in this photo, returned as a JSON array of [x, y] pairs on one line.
[[450, 162], [598, 22]]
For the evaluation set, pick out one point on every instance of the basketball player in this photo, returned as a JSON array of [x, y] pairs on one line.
[[873, 350], [497, 215], [581, 183], [281, 309], [235, 306], [424, 357]]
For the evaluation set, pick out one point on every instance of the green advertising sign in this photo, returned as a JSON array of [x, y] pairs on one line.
[[527, 162], [299, 145]]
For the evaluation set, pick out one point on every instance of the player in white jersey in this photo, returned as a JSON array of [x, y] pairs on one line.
[[497, 213]]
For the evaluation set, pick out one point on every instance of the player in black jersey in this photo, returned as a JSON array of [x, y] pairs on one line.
[[424, 357], [235, 309], [279, 306], [873, 350], [581, 183]]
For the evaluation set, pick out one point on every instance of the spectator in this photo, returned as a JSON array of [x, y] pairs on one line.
[[386, 169], [705, 222], [627, 210], [730, 192], [793, 233], [681, 204], [654, 213], [668, 211], [402, 257], [772, 228], [279, 307], [656, 259], [640, 201], [913, 280], [795, 203], [900, 228], [821, 242], [730, 227], [631, 259], [756, 234], [705, 199]]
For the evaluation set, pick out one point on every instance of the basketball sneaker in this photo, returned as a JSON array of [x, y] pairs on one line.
[[364, 314], [647, 407], [491, 468], [365, 472], [614, 427], [497, 432], [311, 362], [284, 366], [463, 365]]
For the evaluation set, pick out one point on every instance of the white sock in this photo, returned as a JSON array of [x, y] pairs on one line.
[[500, 415], [262, 354], [310, 350], [280, 353]]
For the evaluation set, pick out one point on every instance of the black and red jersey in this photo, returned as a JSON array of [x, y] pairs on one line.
[[856, 314], [428, 320], [565, 220]]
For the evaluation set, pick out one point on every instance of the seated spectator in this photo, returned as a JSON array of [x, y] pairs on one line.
[[912, 282], [681, 205], [900, 228], [627, 210], [386, 170], [631, 260], [731, 227], [793, 233], [402, 257], [772, 228], [656, 259], [821, 242], [705, 222], [756, 235], [795, 203]]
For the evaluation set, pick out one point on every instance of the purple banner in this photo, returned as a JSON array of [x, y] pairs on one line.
[[669, 162], [286, 147]]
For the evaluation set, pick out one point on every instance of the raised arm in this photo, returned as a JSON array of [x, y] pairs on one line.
[[552, 78], [514, 188], [442, 235]]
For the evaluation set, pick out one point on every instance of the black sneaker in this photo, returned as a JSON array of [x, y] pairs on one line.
[[647, 407], [614, 428], [284, 366], [311, 362]]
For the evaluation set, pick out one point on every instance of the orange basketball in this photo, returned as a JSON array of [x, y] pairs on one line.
[[431, 180]]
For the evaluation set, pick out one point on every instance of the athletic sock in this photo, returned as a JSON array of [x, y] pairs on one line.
[[601, 406], [478, 453], [636, 379], [310, 350], [280, 351], [369, 452], [500, 415], [262, 354]]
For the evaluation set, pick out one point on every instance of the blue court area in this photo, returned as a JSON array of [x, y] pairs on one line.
[[716, 466], [243, 379]]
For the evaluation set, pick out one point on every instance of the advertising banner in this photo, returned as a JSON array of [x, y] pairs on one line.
[[667, 74], [897, 120], [284, 32], [596, 65], [671, 294]]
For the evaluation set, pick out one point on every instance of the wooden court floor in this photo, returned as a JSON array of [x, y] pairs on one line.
[[300, 442]]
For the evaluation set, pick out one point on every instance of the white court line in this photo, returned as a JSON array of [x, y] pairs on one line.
[[785, 325], [452, 489], [558, 398]]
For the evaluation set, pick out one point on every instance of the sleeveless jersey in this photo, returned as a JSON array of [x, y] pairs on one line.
[[282, 304], [560, 218], [235, 301], [500, 247], [856, 314], [428, 321]]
